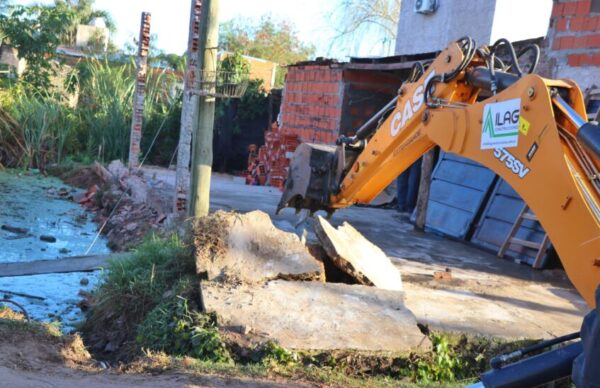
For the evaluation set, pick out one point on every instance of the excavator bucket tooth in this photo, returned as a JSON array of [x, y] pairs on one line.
[[313, 176]]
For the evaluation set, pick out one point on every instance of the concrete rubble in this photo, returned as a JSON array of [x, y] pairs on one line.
[[124, 202], [256, 251], [263, 282], [314, 315], [352, 253]]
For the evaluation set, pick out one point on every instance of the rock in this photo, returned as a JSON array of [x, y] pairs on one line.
[[118, 169], [102, 172], [358, 257], [253, 250], [130, 227], [318, 316], [138, 189], [84, 281], [48, 238], [14, 229], [110, 347]]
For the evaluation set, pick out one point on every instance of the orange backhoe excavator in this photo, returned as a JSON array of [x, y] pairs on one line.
[[481, 104]]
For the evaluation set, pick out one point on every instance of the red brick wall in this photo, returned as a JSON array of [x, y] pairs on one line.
[[312, 102], [573, 44], [365, 93], [320, 102]]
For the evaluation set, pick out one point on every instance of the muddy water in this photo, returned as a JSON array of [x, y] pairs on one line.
[[40, 207]]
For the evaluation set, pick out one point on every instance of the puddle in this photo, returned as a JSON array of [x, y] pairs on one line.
[[36, 204]]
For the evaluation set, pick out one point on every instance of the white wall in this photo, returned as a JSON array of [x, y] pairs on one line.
[[454, 19], [484, 20]]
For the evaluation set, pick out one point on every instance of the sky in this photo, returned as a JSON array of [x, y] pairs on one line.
[[170, 21], [312, 19]]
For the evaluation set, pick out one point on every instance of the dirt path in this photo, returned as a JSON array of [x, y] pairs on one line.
[[33, 356], [61, 377]]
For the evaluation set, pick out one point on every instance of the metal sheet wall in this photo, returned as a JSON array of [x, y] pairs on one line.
[[459, 187], [498, 218]]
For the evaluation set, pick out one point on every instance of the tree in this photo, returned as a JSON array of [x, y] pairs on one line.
[[35, 32], [171, 61], [274, 40], [356, 19]]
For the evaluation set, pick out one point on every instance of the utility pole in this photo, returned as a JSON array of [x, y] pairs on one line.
[[189, 110], [202, 149], [140, 92]]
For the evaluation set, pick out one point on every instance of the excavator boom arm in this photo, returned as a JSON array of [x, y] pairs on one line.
[[529, 130]]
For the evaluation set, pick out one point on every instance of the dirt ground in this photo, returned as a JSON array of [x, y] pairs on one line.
[[486, 295], [31, 358]]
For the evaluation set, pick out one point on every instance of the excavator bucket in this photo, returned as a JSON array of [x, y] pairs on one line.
[[314, 174]]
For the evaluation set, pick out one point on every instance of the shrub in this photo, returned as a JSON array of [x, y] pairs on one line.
[[172, 327]]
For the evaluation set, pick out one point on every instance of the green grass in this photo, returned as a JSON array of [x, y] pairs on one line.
[[136, 285], [51, 127]]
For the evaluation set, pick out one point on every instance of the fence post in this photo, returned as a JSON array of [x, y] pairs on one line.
[[140, 92]]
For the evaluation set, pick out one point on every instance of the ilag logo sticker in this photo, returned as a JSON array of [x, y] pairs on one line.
[[501, 124]]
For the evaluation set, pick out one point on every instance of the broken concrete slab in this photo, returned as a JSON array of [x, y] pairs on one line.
[[317, 316], [138, 189], [252, 250], [118, 169], [354, 254]]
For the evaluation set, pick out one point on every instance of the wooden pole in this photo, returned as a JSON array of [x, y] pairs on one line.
[[202, 151], [140, 92], [189, 111], [424, 186]]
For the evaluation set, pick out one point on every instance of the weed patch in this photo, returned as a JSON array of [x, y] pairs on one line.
[[174, 328], [160, 269]]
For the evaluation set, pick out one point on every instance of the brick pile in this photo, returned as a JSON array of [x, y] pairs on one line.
[[270, 163]]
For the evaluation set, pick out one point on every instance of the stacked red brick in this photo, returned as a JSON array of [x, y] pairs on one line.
[[574, 41], [271, 164], [312, 103]]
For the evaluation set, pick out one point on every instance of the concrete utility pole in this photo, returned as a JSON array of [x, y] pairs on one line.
[[140, 91], [189, 110], [203, 138]]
